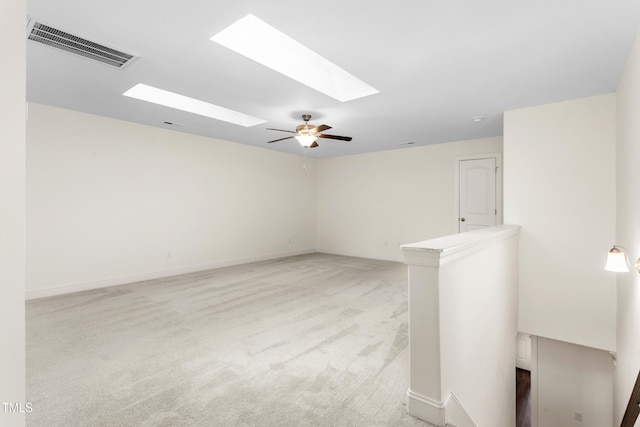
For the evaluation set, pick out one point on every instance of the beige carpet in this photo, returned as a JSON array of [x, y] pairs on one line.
[[314, 340]]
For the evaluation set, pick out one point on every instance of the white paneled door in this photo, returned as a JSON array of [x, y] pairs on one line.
[[477, 194], [523, 351]]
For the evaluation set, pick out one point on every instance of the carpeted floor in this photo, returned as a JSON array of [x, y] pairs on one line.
[[314, 340]]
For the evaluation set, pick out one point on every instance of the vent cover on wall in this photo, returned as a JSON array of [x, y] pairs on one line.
[[53, 37]]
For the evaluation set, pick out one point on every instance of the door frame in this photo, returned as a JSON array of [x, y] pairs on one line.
[[534, 381], [456, 185]]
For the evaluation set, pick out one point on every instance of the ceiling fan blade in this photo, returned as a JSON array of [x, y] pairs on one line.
[[322, 128], [314, 145], [282, 130], [341, 138], [281, 139]]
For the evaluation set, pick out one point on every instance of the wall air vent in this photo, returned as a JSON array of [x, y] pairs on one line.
[[50, 36]]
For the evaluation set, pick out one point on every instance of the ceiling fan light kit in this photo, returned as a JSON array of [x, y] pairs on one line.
[[307, 134], [305, 140]]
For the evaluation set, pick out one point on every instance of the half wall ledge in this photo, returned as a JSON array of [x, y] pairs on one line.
[[436, 252]]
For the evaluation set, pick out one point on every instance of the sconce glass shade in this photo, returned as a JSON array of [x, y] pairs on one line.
[[305, 140], [617, 261]]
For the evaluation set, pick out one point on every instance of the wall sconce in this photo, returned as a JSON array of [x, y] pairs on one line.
[[618, 260]]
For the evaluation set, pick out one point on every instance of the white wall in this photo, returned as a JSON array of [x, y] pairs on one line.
[[559, 185], [479, 318], [628, 230], [108, 201], [111, 202], [573, 379], [12, 209], [370, 204]]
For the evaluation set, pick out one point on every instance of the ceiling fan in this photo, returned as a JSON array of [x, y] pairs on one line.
[[307, 134]]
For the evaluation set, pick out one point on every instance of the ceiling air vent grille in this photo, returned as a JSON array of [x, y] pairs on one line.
[[59, 39]]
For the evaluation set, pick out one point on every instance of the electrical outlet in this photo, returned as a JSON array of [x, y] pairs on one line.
[[578, 416]]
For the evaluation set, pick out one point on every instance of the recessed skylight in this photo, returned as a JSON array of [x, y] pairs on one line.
[[261, 42], [191, 105]]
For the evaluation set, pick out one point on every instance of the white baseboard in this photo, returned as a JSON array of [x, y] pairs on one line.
[[426, 409], [369, 255], [455, 413], [122, 280], [450, 413]]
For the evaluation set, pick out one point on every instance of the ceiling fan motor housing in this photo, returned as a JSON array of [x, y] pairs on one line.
[[306, 129]]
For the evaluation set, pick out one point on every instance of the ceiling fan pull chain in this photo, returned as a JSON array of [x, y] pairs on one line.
[[304, 159]]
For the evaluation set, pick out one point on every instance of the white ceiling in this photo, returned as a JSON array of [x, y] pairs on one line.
[[437, 64]]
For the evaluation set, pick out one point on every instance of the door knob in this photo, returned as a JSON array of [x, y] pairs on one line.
[[462, 219]]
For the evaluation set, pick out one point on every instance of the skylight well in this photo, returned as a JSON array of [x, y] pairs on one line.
[[266, 45], [191, 105]]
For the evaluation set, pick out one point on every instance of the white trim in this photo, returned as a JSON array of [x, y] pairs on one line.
[[455, 413], [133, 278], [357, 254], [426, 409], [534, 381], [440, 251], [449, 413], [456, 185]]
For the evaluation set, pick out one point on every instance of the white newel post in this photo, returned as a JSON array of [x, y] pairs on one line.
[[425, 396]]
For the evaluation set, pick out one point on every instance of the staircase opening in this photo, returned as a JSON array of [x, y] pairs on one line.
[[523, 398]]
